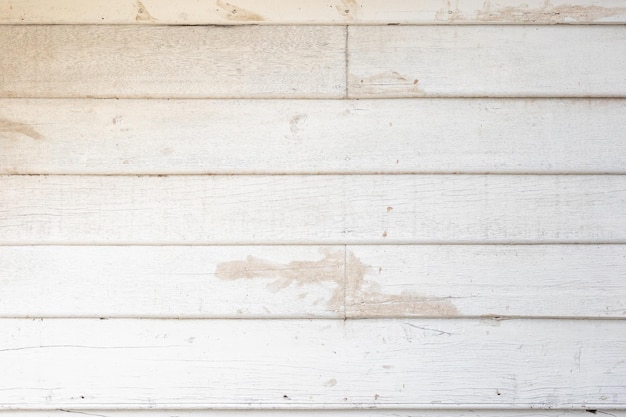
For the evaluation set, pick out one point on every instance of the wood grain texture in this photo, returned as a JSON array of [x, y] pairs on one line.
[[474, 280], [352, 12], [333, 364], [312, 209], [487, 61], [40, 136], [310, 413], [181, 281], [177, 61], [307, 281]]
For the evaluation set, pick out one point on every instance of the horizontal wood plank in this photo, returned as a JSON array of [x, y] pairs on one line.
[[474, 280], [327, 209], [310, 413], [177, 61], [341, 12], [40, 136], [181, 281], [487, 61], [308, 281], [333, 364]]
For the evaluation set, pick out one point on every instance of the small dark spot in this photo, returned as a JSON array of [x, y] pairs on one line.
[[376, 396], [82, 397], [392, 24], [389, 209], [498, 392], [592, 411], [415, 81], [286, 397], [385, 233]]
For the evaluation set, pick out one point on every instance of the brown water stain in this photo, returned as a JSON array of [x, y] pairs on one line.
[[231, 12], [143, 15], [547, 14], [8, 126], [359, 301]]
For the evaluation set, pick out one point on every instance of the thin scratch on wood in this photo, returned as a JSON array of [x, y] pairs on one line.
[[546, 14], [230, 11]]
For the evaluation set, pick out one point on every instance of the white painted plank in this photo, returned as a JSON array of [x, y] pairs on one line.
[[181, 281], [312, 12], [312, 136], [333, 364], [492, 280], [176, 61], [487, 61], [312, 209], [313, 413], [308, 281]]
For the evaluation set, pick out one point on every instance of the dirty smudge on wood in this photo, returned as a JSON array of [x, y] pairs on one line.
[[386, 79], [10, 127], [143, 15], [370, 302], [333, 268], [546, 14], [232, 12]]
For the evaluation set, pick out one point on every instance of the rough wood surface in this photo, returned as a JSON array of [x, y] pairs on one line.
[[308, 281], [333, 364], [176, 61], [39, 136], [487, 61], [351, 12], [327, 209]]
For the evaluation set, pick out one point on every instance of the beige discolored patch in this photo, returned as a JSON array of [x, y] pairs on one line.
[[328, 269], [10, 128], [295, 121], [143, 15], [370, 302], [347, 8], [547, 14], [232, 12]]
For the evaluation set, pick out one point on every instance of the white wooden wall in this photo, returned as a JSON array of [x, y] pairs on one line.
[[274, 208]]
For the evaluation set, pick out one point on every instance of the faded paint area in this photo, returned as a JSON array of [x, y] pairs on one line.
[[546, 14], [354, 296], [10, 127], [232, 12], [366, 300], [143, 15], [329, 269]]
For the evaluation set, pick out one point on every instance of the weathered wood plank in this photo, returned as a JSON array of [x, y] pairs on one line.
[[41, 136], [312, 12], [91, 364], [487, 61], [177, 61], [473, 280], [307, 281], [312, 209], [181, 281], [311, 413]]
